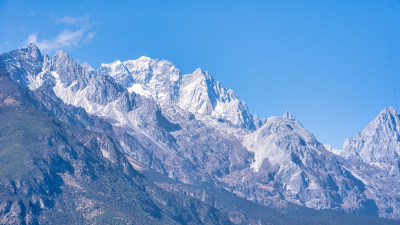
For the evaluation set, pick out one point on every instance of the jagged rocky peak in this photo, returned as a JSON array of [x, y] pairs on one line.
[[379, 143], [289, 162], [113, 68], [34, 51], [200, 93], [197, 92], [288, 115], [389, 114], [278, 138], [211, 88], [199, 72], [202, 77], [148, 77], [87, 67], [30, 52], [298, 166], [119, 72], [62, 59], [22, 64], [68, 71], [258, 122], [60, 54], [146, 70], [159, 80]]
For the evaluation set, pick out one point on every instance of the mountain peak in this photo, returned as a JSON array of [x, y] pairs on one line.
[[388, 111], [267, 141], [388, 118], [144, 58], [33, 51], [60, 54], [288, 115], [292, 165], [379, 143], [32, 46], [86, 66], [112, 65], [199, 72]]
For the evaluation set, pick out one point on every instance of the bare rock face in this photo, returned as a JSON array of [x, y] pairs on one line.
[[23, 64], [296, 165], [378, 144], [54, 173], [197, 93], [291, 162], [190, 129], [200, 93]]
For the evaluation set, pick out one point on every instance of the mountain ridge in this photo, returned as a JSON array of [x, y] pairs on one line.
[[55, 173], [379, 143], [196, 148]]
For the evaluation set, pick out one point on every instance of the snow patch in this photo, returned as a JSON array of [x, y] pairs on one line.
[[138, 89]]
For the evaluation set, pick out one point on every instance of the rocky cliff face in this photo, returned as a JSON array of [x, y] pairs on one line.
[[190, 129], [293, 163], [23, 64], [379, 143], [53, 173], [197, 93]]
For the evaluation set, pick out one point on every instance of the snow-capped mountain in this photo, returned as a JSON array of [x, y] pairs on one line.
[[332, 149], [190, 129], [263, 141], [300, 168], [58, 173], [23, 64], [146, 76], [159, 80], [379, 143], [197, 93], [138, 120]]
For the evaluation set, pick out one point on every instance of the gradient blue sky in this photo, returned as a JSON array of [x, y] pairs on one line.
[[334, 64]]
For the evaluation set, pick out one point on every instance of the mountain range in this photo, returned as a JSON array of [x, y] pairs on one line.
[[138, 142]]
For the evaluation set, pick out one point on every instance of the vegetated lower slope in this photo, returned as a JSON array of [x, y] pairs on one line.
[[242, 211], [48, 176], [205, 152], [51, 173]]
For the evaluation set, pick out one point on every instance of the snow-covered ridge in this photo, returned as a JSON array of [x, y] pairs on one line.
[[280, 160], [332, 149], [197, 93], [159, 80]]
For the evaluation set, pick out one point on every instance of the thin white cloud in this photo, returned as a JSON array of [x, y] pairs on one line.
[[89, 37], [73, 20], [66, 38]]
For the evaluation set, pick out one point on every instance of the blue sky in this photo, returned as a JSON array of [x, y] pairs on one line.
[[334, 64]]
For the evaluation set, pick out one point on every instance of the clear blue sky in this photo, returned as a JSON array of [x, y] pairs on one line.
[[334, 64]]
